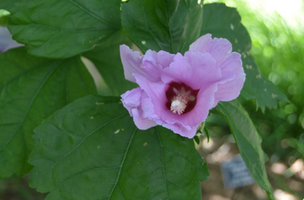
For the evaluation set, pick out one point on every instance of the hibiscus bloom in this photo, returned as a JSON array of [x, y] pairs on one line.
[[177, 91]]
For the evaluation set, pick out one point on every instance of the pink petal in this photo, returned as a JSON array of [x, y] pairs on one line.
[[205, 101], [218, 48], [131, 61], [201, 44], [140, 122], [179, 71], [234, 75], [156, 92], [132, 102], [148, 107], [149, 65], [161, 59], [205, 72], [181, 130], [131, 99], [197, 70], [153, 63]]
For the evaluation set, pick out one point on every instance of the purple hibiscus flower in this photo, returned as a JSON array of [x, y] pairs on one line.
[[6, 41], [177, 91]]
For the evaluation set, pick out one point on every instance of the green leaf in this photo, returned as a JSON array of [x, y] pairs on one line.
[[297, 144], [225, 22], [31, 89], [91, 149], [61, 29], [4, 16], [106, 59], [162, 25], [258, 87], [248, 141]]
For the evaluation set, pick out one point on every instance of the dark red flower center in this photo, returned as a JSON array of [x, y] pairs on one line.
[[181, 98]]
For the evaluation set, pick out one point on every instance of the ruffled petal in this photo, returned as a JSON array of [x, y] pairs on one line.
[[154, 62], [140, 122], [179, 71], [181, 130], [205, 101], [195, 69], [156, 92], [131, 61], [149, 66], [161, 59], [233, 79], [201, 44], [131, 99], [132, 102], [218, 48], [148, 107], [205, 71]]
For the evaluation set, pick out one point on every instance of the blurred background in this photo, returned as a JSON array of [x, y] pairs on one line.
[[277, 31]]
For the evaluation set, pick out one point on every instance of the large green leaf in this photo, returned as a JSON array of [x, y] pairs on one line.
[[31, 89], [91, 149], [225, 22], [162, 25], [248, 141], [106, 58], [62, 28]]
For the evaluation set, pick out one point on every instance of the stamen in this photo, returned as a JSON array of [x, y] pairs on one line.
[[181, 98], [179, 103]]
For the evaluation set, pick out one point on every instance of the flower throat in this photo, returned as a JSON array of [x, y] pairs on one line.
[[181, 98]]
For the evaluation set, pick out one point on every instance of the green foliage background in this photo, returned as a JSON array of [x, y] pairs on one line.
[[278, 49]]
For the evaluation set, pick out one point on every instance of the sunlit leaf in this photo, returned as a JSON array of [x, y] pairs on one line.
[[225, 22]]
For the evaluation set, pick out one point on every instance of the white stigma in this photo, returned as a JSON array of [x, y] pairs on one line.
[[179, 104]]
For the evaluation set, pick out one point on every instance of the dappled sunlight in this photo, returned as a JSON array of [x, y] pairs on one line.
[[218, 197], [260, 194], [208, 145], [282, 195], [278, 168], [221, 154], [297, 166]]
